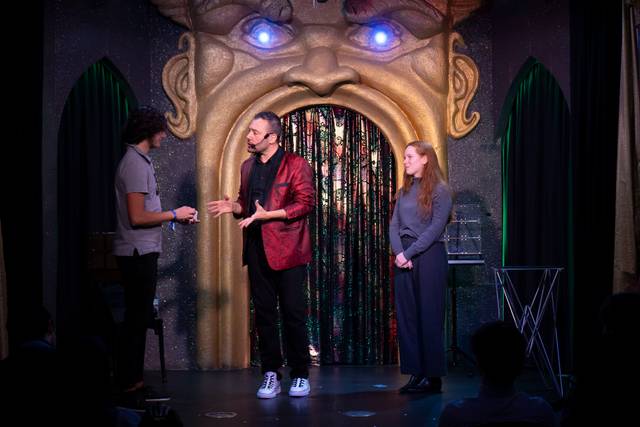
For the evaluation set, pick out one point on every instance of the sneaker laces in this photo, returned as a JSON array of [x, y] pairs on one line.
[[299, 382], [268, 381]]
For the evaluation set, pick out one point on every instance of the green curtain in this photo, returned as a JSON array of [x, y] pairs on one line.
[[535, 172], [536, 187], [349, 285], [89, 150]]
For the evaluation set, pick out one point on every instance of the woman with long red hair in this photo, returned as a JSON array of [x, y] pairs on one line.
[[422, 210]]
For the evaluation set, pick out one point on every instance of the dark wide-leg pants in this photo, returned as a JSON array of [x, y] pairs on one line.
[[420, 305]]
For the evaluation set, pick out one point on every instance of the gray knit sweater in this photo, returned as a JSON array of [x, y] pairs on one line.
[[408, 221]]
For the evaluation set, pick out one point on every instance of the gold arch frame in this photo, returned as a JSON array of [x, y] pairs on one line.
[[220, 240]]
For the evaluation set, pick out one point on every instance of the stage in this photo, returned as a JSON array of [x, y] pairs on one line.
[[340, 396]]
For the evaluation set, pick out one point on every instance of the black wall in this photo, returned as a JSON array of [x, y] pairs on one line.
[[20, 161]]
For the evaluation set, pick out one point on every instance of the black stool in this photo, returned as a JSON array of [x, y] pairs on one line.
[[105, 275]]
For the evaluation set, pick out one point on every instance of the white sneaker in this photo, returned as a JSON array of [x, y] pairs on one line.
[[270, 386], [299, 387]]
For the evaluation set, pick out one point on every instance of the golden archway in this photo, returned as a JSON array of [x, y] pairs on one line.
[[227, 260]]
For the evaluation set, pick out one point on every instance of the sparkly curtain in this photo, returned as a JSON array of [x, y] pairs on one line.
[[349, 285]]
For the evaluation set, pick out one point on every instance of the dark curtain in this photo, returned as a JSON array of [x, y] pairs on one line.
[[89, 149], [535, 174], [21, 167], [536, 188], [595, 79], [350, 291]]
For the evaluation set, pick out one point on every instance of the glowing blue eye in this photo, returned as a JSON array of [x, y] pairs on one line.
[[264, 37], [381, 37]]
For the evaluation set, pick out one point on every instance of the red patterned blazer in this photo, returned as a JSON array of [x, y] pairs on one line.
[[287, 242]]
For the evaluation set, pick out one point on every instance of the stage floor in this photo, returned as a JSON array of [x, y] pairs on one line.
[[340, 396]]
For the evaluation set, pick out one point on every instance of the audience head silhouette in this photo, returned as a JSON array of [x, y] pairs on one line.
[[499, 349]]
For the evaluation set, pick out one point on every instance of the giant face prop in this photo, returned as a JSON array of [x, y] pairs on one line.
[[394, 61]]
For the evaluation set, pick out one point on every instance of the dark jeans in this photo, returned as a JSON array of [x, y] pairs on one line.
[[269, 286], [139, 278]]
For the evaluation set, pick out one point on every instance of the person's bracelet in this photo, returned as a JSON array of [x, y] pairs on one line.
[[172, 224]]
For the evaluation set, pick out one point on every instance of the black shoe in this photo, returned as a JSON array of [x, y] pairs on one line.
[[411, 385]]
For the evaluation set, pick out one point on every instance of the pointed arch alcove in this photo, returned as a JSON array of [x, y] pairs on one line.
[[89, 149], [535, 134]]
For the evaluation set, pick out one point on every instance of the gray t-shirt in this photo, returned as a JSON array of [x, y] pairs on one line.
[[135, 174], [408, 221]]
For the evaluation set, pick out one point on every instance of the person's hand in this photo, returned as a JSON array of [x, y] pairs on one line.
[[195, 219], [185, 214], [260, 214], [219, 207], [403, 262]]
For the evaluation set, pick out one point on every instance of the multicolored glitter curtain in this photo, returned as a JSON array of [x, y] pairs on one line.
[[350, 290]]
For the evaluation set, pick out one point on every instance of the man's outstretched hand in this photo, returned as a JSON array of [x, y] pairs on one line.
[[219, 207], [260, 214]]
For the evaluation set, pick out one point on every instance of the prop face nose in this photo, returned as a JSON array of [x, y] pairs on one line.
[[320, 72]]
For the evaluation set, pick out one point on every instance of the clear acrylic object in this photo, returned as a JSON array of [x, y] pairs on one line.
[[463, 233]]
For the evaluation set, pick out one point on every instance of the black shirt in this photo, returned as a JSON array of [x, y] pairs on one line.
[[261, 181]]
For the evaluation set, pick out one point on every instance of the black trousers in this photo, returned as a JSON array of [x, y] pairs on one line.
[[268, 287], [420, 304], [139, 279]]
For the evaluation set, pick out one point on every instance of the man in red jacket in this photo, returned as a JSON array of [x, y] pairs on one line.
[[276, 195]]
